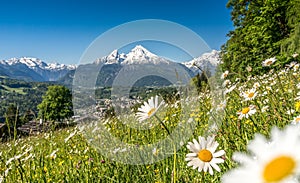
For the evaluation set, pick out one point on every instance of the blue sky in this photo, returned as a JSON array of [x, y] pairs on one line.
[[61, 30]]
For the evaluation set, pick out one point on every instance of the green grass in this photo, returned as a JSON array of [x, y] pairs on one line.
[[17, 90], [76, 160]]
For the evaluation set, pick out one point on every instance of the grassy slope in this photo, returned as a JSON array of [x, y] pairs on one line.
[[77, 161]]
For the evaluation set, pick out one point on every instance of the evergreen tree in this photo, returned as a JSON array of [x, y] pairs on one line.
[[57, 104]]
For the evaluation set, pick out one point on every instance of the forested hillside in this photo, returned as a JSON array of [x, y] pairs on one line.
[[263, 29], [25, 95]]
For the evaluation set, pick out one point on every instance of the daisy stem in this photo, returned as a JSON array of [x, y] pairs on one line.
[[160, 121], [174, 168]]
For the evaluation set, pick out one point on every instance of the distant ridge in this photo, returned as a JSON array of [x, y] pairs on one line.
[[33, 69], [115, 62]]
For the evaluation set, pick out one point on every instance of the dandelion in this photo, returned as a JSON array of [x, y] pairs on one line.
[[203, 154], [268, 62], [275, 161], [148, 109], [250, 94], [246, 112], [297, 106], [60, 163]]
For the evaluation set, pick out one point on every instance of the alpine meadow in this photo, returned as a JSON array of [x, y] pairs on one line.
[[241, 124]]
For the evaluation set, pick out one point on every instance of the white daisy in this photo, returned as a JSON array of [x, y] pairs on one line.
[[296, 67], [296, 120], [295, 55], [221, 106], [292, 64], [264, 108], [291, 111], [274, 161], [246, 112], [224, 75], [249, 94], [148, 109], [248, 68], [53, 154], [203, 154], [229, 89], [268, 62], [70, 136], [226, 82], [256, 85]]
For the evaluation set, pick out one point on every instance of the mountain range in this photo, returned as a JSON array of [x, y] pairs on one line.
[[140, 55], [33, 69]]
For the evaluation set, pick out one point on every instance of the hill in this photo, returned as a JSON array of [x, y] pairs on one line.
[[25, 95]]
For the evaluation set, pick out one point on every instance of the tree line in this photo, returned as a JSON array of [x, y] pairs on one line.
[[263, 29]]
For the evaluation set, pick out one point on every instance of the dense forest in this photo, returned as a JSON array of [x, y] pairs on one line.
[[263, 30], [24, 95]]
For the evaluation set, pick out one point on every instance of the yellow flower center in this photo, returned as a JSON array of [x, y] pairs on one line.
[[205, 155], [269, 62], [279, 168], [297, 106], [151, 111], [245, 110], [250, 95]]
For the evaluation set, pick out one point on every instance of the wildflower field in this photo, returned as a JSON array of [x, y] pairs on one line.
[[256, 140]]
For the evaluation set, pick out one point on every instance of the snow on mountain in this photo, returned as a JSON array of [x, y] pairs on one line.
[[113, 58], [207, 61], [34, 69], [138, 55], [37, 63], [139, 61]]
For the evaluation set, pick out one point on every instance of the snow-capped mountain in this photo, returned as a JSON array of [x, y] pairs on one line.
[[207, 61], [113, 58], [138, 55], [33, 69], [140, 59]]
